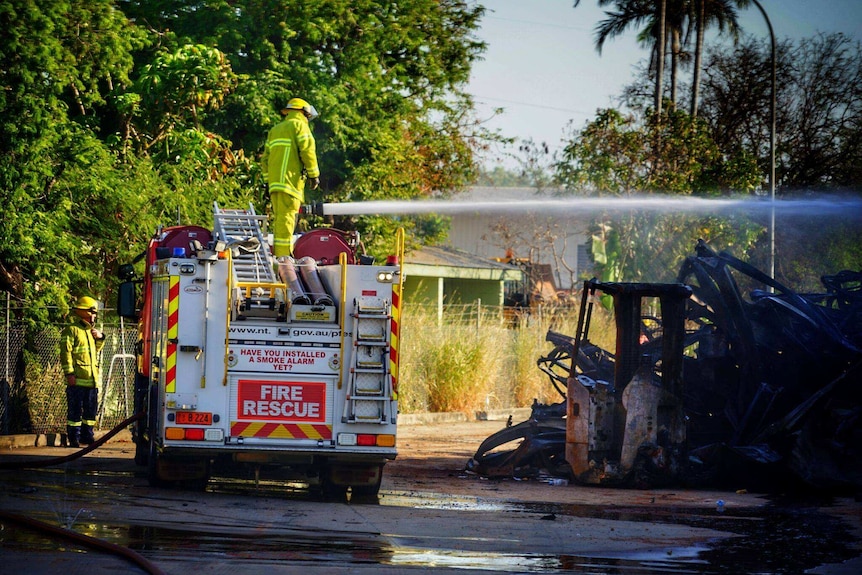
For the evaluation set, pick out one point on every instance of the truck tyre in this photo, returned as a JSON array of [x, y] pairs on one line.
[[142, 452], [369, 491], [153, 464], [329, 489], [363, 480], [139, 429]]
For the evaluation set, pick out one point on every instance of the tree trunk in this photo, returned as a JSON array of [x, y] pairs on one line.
[[659, 67], [698, 57], [676, 48]]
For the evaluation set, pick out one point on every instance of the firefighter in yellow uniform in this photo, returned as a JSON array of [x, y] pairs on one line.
[[288, 159], [80, 344]]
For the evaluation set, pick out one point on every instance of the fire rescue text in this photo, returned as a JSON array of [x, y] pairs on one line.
[[296, 401]]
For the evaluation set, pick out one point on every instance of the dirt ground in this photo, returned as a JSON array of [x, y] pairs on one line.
[[433, 457], [427, 496]]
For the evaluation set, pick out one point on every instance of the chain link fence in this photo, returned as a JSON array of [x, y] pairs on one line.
[[32, 386]]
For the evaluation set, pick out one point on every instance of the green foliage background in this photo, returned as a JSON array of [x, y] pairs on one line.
[[117, 116]]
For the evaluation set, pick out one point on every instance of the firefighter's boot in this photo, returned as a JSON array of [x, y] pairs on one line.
[[87, 436], [73, 434]]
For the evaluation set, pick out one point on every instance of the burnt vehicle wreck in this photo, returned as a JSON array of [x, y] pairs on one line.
[[713, 381]]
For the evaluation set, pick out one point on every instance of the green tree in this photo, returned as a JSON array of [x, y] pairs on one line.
[[387, 77], [673, 19], [819, 105], [116, 121], [616, 155], [60, 61], [631, 13]]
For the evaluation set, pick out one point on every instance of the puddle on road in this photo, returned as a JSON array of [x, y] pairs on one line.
[[170, 545], [785, 537]]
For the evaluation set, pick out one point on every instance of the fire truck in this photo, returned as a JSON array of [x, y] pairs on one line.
[[285, 369]]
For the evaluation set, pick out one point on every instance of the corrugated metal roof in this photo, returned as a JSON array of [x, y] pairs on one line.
[[449, 256]]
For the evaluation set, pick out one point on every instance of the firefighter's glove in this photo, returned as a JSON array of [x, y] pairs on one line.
[[313, 183]]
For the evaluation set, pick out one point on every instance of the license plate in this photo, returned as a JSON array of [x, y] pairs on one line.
[[194, 418]]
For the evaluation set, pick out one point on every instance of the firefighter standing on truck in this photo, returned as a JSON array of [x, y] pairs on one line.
[[288, 158], [80, 344]]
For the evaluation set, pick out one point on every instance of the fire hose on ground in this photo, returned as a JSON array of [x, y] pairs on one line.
[[73, 456], [53, 530]]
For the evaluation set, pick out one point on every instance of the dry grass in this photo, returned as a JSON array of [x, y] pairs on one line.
[[472, 366]]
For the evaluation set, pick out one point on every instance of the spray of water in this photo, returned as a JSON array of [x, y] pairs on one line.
[[659, 204]]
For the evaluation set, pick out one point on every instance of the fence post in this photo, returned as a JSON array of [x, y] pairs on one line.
[[4, 384]]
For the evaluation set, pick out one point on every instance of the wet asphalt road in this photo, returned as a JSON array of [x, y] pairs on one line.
[[417, 526]]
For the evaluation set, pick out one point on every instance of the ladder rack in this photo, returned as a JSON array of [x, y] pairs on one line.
[[254, 278], [250, 265]]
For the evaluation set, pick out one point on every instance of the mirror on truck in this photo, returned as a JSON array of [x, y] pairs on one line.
[[126, 296]]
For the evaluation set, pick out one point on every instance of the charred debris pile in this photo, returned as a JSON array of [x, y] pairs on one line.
[[713, 382]]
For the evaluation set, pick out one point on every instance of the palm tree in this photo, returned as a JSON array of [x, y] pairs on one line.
[[635, 13], [662, 16], [721, 13]]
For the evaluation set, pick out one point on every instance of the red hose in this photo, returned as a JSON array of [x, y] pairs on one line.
[[72, 456], [98, 544]]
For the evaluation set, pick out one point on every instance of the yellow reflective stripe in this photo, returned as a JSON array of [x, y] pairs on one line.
[[284, 159]]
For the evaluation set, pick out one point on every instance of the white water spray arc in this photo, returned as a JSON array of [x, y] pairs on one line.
[[595, 205]]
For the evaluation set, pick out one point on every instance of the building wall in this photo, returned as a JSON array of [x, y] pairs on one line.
[[473, 232], [424, 290]]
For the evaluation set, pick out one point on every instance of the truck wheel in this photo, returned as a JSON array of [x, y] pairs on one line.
[[140, 429], [142, 452], [153, 467], [369, 490], [332, 491]]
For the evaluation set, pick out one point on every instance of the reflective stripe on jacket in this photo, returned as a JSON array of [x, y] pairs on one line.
[[289, 148], [79, 353]]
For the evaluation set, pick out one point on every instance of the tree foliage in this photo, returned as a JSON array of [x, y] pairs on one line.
[[615, 154], [618, 155], [121, 115], [819, 108], [726, 150]]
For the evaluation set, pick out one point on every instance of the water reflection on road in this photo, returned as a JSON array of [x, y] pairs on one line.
[[286, 528]]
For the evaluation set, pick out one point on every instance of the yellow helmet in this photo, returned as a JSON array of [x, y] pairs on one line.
[[85, 302], [300, 104]]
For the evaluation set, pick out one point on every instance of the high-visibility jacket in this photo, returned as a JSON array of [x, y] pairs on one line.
[[289, 148], [79, 353]]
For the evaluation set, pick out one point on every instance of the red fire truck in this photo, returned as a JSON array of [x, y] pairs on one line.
[[282, 369]]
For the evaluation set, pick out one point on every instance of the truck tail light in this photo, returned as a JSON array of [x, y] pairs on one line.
[[371, 440], [180, 433], [386, 440]]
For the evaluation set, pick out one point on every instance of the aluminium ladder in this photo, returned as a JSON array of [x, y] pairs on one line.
[[369, 386], [254, 278]]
